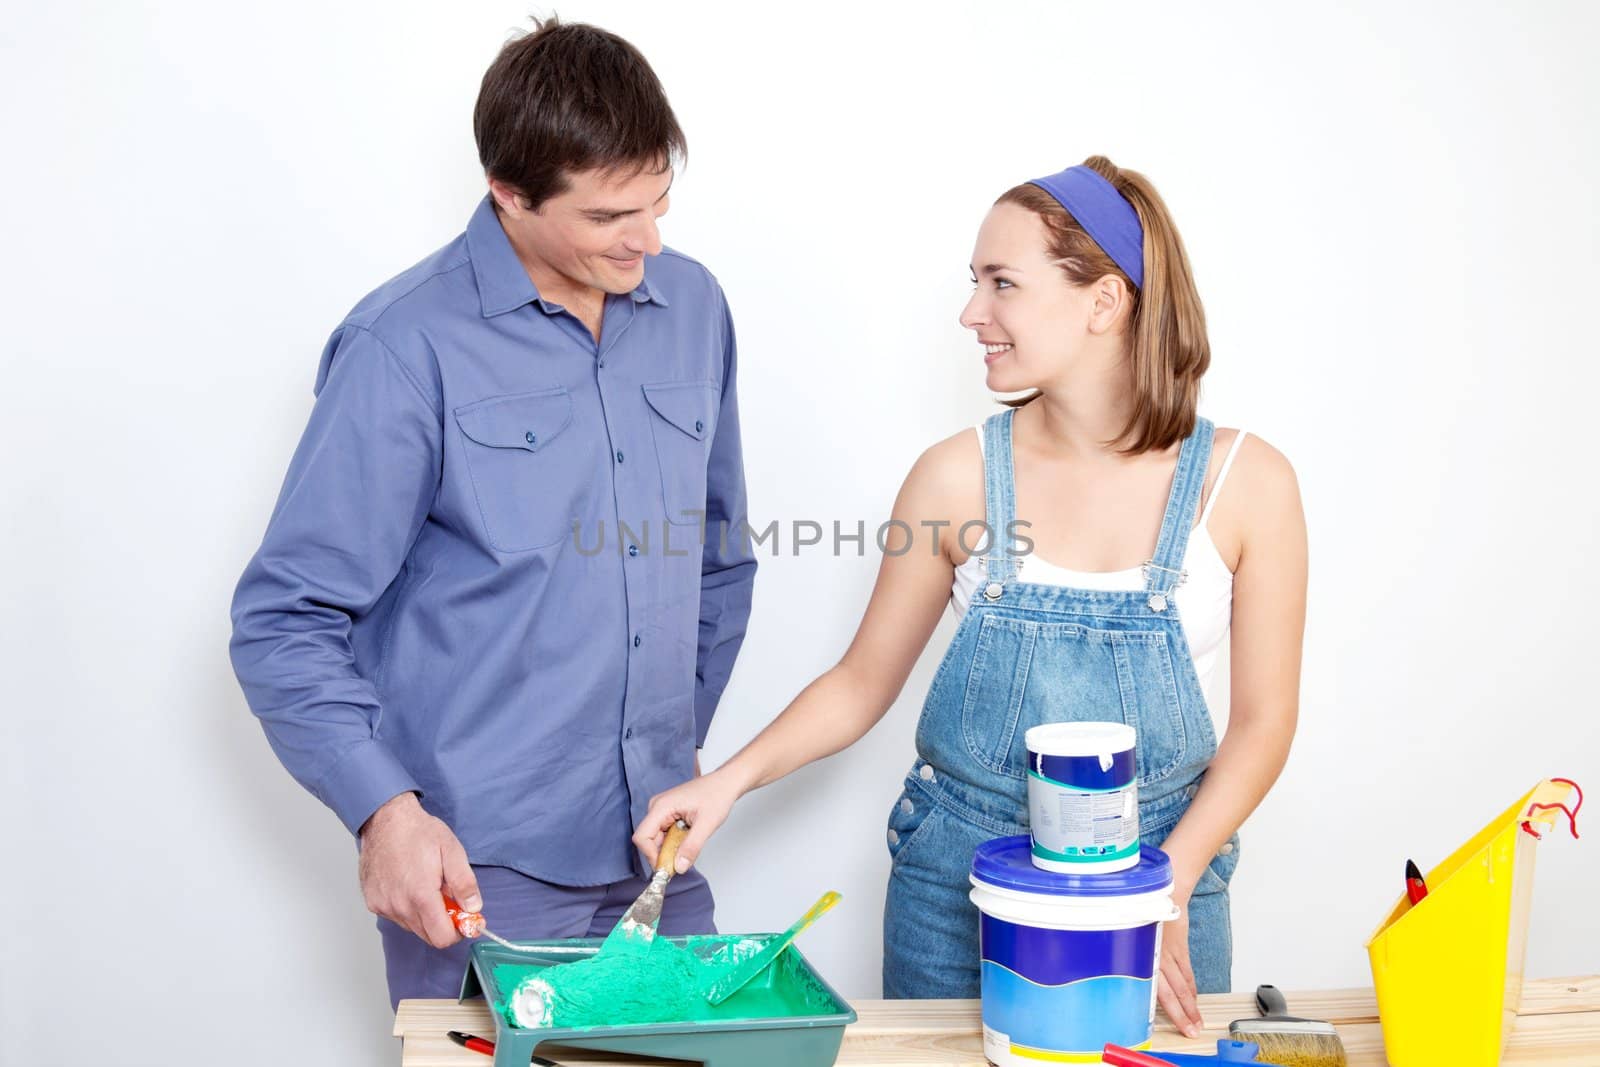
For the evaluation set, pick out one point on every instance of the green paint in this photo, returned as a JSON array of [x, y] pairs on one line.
[[657, 982]]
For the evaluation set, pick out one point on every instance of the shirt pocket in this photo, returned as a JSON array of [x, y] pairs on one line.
[[525, 471], [684, 423], [1026, 673]]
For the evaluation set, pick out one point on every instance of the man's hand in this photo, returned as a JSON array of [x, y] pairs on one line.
[[407, 858]]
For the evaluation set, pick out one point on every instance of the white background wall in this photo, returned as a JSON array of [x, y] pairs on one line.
[[1392, 217]]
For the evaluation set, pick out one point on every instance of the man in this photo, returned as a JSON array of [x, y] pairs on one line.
[[507, 575]]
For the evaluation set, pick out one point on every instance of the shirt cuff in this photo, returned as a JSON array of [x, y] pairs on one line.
[[365, 778]]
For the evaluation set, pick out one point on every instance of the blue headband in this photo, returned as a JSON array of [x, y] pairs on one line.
[[1103, 213]]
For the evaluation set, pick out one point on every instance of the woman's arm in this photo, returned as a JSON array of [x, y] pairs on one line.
[[1269, 616], [1269, 611], [838, 708]]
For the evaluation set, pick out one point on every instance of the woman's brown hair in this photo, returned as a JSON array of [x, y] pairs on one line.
[[1167, 350]]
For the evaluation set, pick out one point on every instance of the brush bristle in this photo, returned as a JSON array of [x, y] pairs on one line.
[[1300, 1050]]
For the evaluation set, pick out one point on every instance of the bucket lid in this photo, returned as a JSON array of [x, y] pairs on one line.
[[1080, 738], [1007, 863]]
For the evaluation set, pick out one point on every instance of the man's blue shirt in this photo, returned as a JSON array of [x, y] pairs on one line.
[[507, 568]]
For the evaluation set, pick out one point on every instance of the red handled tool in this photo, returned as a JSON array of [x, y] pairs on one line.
[[1227, 1052], [1416, 888], [1118, 1056], [478, 1044]]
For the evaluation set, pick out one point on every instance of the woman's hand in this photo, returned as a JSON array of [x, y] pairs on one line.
[[1175, 981], [703, 803]]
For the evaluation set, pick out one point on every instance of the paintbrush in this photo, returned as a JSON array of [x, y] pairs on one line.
[[638, 924], [1287, 1040]]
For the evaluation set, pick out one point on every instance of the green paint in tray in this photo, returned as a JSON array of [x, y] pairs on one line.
[[661, 981]]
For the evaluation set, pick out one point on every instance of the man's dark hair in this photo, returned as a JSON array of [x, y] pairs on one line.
[[571, 97]]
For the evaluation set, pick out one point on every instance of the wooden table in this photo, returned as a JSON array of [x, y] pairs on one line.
[[1559, 1023]]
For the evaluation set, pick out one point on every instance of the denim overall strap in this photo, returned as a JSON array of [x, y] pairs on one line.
[[1000, 501], [1164, 572]]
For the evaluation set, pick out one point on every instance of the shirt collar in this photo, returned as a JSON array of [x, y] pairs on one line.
[[647, 293], [503, 284]]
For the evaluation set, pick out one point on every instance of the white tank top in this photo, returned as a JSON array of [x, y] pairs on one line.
[[1204, 600]]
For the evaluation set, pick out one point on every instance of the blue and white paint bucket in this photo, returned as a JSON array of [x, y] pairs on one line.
[[1083, 796], [1068, 960]]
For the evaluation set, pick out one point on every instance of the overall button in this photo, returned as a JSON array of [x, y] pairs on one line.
[[894, 838], [993, 590], [1191, 791], [906, 807], [633, 550], [1158, 602], [1227, 849], [926, 773]]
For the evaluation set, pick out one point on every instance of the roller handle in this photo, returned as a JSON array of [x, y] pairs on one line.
[[669, 847], [470, 924]]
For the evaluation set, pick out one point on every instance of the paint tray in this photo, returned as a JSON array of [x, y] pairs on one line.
[[807, 1033], [1448, 969]]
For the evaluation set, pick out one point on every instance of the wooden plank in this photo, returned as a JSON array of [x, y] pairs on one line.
[[1559, 1025], [1539, 1041], [424, 1050], [1551, 996], [912, 1016], [1546, 996], [442, 1016]]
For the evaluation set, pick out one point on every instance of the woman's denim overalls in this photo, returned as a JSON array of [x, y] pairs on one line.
[[1027, 654]]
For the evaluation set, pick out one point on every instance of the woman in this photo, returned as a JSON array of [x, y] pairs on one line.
[[1114, 605]]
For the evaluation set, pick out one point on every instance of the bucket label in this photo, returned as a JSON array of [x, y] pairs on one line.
[[1057, 994], [1073, 825]]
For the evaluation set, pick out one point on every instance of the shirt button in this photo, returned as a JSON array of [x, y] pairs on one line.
[[635, 640], [627, 734], [1227, 849], [633, 550], [906, 807], [619, 457], [529, 437], [926, 772], [894, 838], [698, 426]]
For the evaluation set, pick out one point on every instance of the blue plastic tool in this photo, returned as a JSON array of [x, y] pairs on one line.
[[1228, 1051]]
